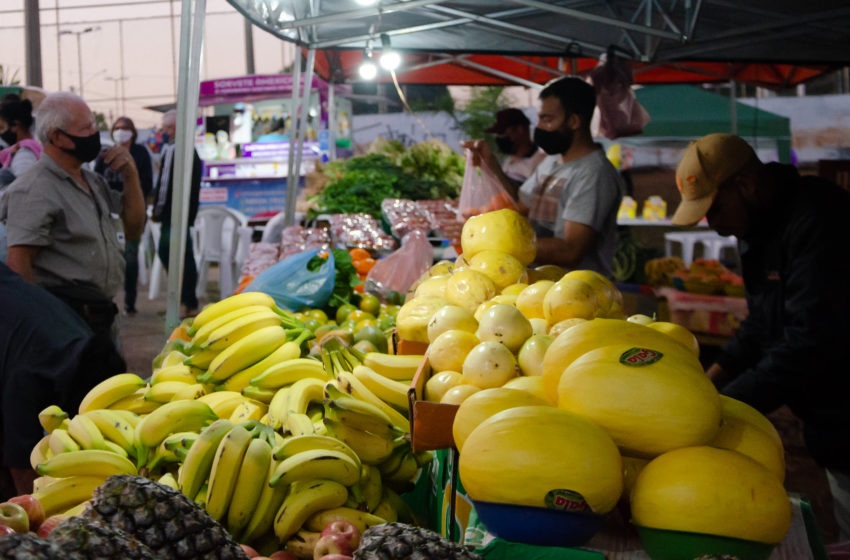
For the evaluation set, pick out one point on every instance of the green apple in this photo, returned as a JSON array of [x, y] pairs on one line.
[[15, 517]]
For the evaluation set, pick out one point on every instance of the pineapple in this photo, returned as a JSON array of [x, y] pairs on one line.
[[397, 541], [82, 538], [27, 546], [163, 519]]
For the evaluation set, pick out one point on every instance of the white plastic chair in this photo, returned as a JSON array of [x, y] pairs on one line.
[[712, 242], [157, 270], [273, 230], [223, 237]]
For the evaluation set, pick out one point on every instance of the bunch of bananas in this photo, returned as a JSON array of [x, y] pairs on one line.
[[272, 444]]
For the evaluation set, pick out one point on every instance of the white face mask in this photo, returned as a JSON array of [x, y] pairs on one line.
[[121, 135]]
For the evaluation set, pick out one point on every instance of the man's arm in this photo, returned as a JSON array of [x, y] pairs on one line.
[[20, 258], [570, 250], [133, 212]]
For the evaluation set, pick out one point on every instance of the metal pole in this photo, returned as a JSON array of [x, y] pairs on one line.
[[331, 122], [58, 46], [733, 107], [302, 128], [292, 179], [121, 55], [80, 59], [191, 41], [173, 48], [249, 47], [33, 43]]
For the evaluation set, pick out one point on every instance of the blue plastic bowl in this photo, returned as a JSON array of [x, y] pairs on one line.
[[537, 525]]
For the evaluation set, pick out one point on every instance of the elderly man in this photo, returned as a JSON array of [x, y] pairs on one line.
[[792, 232], [64, 223]]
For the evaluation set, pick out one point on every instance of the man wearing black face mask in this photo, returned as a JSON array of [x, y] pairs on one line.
[[64, 222], [513, 138], [573, 195]]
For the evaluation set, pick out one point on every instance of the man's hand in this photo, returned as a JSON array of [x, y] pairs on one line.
[[118, 158], [717, 375], [480, 152]]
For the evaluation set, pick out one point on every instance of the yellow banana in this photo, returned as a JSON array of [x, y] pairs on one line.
[[85, 432], [297, 444], [172, 358], [289, 351], [392, 366], [269, 502], [227, 305], [200, 498], [360, 519], [317, 463], [196, 468], [111, 390], [389, 391], [305, 499], [114, 427], [87, 462], [385, 510], [236, 330], [40, 451], [248, 409], [51, 418], [370, 478], [117, 449], [179, 416], [265, 396], [405, 514], [65, 493], [303, 392], [289, 372], [203, 333], [189, 392], [303, 543], [78, 509], [128, 415], [245, 353], [135, 403], [181, 442], [407, 470], [223, 403], [357, 414], [168, 480], [225, 470], [61, 442], [201, 359], [348, 383], [179, 372], [40, 483], [249, 485], [299, 424], [370, 448], [164, 391], [393, 462]]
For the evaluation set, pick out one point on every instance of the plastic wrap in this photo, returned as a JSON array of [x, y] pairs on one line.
[[260, 257], [482, 191], [296, 239], [359, 230], [443, 217], [398, 271], [404, 216]]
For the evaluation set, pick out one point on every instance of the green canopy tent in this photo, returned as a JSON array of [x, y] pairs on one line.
[[683, 113]]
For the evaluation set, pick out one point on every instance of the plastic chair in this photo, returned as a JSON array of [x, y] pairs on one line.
[[157, 269], [273, 230], [223, 237], [712, 242]]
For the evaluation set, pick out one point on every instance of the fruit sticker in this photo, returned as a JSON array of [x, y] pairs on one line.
[[638, 357], [567, 500]]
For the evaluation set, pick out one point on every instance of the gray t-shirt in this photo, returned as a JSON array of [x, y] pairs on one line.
[[588, 191], [78, 233]]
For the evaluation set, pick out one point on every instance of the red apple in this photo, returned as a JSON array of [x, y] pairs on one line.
[[345, 529], [334, 543], [35, 511], [249, 551], [14, 517], [5, 530], [283, 555], [49, 524], [336, 557]]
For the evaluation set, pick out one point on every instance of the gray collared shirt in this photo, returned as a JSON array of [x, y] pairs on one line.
[[77, 232]]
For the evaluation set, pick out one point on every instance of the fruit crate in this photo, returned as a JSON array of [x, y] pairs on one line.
[[406, 347], [430, 423]]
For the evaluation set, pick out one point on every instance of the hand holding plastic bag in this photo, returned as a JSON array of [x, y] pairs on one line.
[[294, 285], [401, 269], [618, 111], [482, 191]]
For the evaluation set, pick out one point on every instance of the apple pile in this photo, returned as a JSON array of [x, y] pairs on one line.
[[23, 514], [337, 541]]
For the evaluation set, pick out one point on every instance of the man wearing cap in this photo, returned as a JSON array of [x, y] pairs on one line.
[[792, 234], [574, 194], [513, 138]]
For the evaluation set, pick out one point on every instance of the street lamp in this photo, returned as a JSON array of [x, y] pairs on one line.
[[79, 50]]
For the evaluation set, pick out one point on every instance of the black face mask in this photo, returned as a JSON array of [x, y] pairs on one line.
[[505, 144], [86, 148], [554, 142], [9, 137]]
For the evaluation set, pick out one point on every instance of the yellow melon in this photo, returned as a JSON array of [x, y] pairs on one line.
[[713, 491], [678, 333], [502, 268], [606, 292], [503, 230], [484, 404], [533, 385], [469, 288], [529, 454], [412, 319], [743, 431], [569, 298], [514, 289], [434, 286], [530, 300], [733, 408]]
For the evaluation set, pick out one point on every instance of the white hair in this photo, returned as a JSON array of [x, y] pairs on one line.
[[169, 117], [55, 111]]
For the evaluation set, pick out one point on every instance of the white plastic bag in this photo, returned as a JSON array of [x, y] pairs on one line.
[[618, 112], [398, 271], [482, 191]]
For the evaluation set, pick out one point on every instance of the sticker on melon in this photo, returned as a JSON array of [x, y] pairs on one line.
[[567, 500], [638, 357]]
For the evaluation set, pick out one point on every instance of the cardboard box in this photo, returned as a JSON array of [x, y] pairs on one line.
[[430, 423]]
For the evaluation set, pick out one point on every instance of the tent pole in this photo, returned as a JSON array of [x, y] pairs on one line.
[[302, 127], [500, 74], [733, 107], [191, 41], [356, 14], [292, 188], [331, 121]]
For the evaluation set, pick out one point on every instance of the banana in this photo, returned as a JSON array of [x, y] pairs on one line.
[[317, 463], [65, 493], [360, 519], [117, 449], [227, 305], [135, 403], [161, 456], [61, 442], [389, 391], [178, 416], [269, 502], [180, 442], [85, 432], [263, 395], [168, 480], [131, 417], [87, 462], [200, 498], [179, 372], [393, 366], [357, 414], [225, 470], [370, 448], [405, 514], [297, 444], [407, 470], [78, 509], [303, 544], [172, 358], [249, 485], [393, 462], [111, 390], [248, 409], [386, 511], [201, 359], [41, 482], [223, 403], [190, 393], [114, 427], [289, 351], [236, 330], [199, 460], [303, 392], [305, 499], [289, 372], [348, 383], [164, 391], [203, 333], [244, 353], [299, 424], [40, 452], [370, 479], [278, 410], [51, 418]]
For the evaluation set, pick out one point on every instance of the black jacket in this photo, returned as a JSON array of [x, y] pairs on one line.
[[162, 212], [143, 165], [792, 349]]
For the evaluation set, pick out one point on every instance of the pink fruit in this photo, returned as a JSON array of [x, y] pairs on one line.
[[333, 543], [6, 530], [283, 555], [345, 529], [249, 551], [14, 517], [49, 524], [336, 557], [34, 509]]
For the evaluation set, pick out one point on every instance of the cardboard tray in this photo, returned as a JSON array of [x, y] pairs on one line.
[[430, 423]]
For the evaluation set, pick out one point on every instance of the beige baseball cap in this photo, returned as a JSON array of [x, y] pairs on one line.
[[706, 164]]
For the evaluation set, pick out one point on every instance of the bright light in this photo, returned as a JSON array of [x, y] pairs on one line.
[[368, 70], [366, 2], [390, 60]]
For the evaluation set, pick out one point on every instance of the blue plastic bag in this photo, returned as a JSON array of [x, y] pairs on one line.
[[293, 286]]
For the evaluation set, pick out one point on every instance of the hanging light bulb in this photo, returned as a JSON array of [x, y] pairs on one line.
[[390, 59], [366, 2], [368, 70]]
